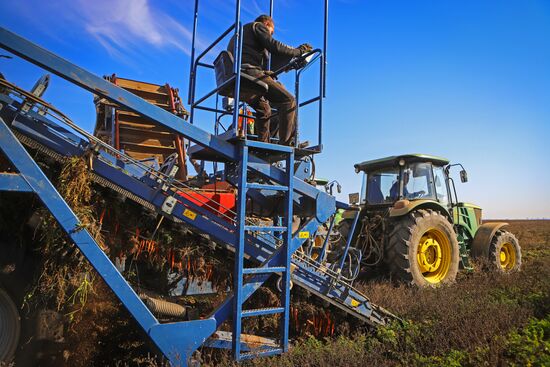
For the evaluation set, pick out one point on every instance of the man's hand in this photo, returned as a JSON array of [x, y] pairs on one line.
[[270, 74], [304, 48]]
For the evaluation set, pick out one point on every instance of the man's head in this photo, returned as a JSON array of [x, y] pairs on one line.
[[267, 21]]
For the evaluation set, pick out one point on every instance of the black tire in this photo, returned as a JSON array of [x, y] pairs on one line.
[[437, 263], [10, 327], [505, 252]]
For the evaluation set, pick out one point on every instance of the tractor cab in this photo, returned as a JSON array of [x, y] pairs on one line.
[[407, 177]]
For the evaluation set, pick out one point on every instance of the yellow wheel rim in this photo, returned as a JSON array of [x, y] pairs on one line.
[[434, 256], [507, 256]]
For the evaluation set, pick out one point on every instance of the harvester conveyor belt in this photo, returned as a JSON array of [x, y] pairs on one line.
[[34, 129]]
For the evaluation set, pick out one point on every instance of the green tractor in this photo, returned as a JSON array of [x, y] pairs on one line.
[[409, 221]]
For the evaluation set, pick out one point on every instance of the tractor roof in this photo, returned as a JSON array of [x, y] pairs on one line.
[[394, 161]]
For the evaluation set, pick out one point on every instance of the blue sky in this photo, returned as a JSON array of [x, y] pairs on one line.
[[468, 80]]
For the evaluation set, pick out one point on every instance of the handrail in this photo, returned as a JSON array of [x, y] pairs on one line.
[[192, 63], [195, 64], [319, 56], [317, 52], [211, 93]]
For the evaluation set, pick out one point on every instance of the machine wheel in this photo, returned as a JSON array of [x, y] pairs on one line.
[[423, 249], [505, 252], [10, 327]]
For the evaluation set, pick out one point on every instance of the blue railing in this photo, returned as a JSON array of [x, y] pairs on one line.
[[237, 29]]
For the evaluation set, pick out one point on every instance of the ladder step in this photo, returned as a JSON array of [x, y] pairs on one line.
[[265, 352], [262, 311], [266, 187], [266, 270], [265, 228], [268, 146]]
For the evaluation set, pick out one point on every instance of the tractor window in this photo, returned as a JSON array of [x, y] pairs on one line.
[[441, 186], [379, 186], [418, 181]]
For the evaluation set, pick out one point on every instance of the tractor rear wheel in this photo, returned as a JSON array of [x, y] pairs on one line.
[[423, 249], [10, 327], [505, 252]]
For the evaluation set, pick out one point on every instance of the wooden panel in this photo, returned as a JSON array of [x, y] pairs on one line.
[[140, 86], [140, 137]]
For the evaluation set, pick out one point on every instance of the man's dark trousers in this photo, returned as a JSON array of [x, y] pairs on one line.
[[278, 96]]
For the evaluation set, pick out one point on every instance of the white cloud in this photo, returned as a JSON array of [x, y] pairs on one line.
[[125, 24]]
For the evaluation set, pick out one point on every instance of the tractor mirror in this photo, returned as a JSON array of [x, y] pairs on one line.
[[354, 198], [463, 176]]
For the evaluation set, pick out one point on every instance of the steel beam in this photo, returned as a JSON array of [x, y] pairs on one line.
[[176, 341], [101, 87]]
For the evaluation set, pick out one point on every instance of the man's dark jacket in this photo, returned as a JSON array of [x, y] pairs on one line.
[[257, 42]]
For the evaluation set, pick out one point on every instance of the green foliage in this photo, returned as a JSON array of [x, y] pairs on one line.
[[530, 346], [454, 358]]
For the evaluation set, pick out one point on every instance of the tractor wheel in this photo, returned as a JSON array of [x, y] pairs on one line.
[[423, 249], [10, 327], [504, 251]]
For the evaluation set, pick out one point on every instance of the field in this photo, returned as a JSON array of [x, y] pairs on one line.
[[485, 319]]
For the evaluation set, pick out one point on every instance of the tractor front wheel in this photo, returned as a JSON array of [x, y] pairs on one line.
[[423, 249], [504, 251], [10, 327]]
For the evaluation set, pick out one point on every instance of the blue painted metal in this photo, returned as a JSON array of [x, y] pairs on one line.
[[275, 269], [188, 338], [348, 241], [265, 228], [13, 182], [237, 28], [263, 353], [259, 248], [279, 263], [239, 255], [179, 340], [237, 52], [102, 88], [325, 242], [192, 69], [263, 311], [316, 54], [267, 187], [287, 252]]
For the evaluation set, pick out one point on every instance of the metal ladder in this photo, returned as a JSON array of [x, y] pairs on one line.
[[285, 231]]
